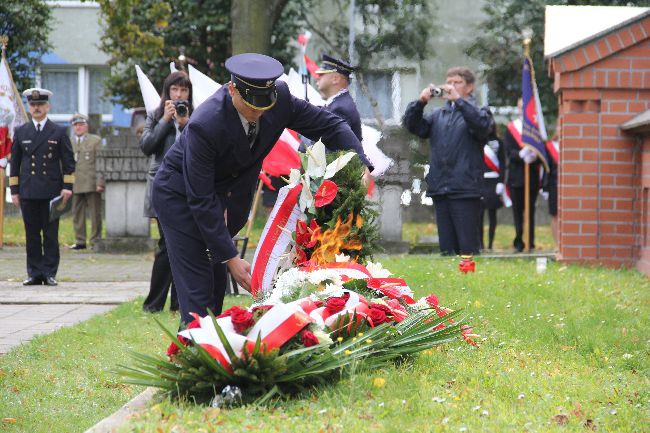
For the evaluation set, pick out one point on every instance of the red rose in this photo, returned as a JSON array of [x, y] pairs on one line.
[[386, 309], [325, 194], [242, 320], [432, 300], [377, 317], [336, 304], [173, 349], [229, 312], [308, 338]]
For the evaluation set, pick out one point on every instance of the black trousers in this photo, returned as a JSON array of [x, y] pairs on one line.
[[458, 225], [161, 279], [42, 238], [200, 282], [492, 217], [517, 196]]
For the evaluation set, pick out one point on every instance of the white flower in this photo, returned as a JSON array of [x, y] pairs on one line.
[[316, 160], [342, 258], [332, 290], [340, 162], [377, 270]]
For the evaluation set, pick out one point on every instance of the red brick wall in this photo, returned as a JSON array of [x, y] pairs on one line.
[[643, 264], [600, 86]]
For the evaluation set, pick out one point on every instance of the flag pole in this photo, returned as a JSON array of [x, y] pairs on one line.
[[256, 201], [526, 225]]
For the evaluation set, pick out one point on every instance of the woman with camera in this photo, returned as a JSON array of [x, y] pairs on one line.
[[161, 129]]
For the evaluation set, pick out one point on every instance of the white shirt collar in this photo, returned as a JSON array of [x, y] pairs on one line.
[[328, 101], [244, 123], [42, 122]]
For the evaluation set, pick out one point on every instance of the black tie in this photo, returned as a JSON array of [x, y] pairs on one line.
[[252, 129], [38, 127]]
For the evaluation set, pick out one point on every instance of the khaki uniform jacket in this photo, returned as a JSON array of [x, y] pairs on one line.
[[85, 154]]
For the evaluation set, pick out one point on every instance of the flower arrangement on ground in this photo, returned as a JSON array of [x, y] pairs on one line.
[[318, 312]]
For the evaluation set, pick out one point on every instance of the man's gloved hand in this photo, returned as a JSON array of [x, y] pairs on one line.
[[523, 152], [544, 194], [500, 188], [530, 158]]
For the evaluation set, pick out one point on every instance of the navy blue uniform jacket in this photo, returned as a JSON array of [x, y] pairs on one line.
[[214, 168], [344, 107], [42, 163]]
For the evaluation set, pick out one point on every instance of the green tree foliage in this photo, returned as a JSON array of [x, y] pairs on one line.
[[27, 24], [386, 29], [499, 47], [153, 33]]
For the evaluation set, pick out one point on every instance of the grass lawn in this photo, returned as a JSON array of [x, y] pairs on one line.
[[563, 351], [14, 233]]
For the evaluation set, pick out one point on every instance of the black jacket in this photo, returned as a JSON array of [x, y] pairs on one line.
[[42, 163], [344, 107], [456, 135], [157, 137], [516, 165]]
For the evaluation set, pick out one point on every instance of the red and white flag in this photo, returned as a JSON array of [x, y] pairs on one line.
[[12, 111]]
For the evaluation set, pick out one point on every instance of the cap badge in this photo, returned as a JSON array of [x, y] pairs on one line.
[[36, 94]]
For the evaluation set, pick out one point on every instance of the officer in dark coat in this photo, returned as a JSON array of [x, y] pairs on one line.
[[333, 80], [42, 167], [203, 190]]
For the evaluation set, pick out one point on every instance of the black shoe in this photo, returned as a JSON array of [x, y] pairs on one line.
[[78, 246], [151, 309], [50, 281], [32, 281]]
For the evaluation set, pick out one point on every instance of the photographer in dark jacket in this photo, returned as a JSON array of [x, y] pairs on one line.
[[160, 131], [457, 132]]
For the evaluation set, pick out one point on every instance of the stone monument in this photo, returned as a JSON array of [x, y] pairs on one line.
[[124, 168]]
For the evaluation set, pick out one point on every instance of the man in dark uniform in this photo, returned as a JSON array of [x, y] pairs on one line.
[[42, 167], [333, 80], [203, 190]]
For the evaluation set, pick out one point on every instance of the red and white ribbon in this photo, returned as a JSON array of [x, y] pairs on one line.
[[275, 238]]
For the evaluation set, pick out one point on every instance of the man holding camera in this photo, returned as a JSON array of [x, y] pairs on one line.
[[457, 132]]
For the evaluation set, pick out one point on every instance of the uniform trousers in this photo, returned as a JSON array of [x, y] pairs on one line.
[[458, 224], [200, 281], [161, 279], [87, 204], [518, 204], [42, 238]]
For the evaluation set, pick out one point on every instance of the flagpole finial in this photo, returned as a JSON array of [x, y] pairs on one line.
[[527, 36]]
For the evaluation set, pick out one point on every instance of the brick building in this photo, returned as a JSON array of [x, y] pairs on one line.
[[603, 88]]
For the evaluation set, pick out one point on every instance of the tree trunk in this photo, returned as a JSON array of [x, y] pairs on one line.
[[252, 24]]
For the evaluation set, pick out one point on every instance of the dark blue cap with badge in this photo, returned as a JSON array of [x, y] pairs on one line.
[[331, 64], [254, 75]]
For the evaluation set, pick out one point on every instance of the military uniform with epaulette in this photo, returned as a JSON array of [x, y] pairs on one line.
[[87, 196], [42, 165]]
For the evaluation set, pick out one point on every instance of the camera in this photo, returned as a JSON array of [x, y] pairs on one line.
[[182, 107], [436, 92]]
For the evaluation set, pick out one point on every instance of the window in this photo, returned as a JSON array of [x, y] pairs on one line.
[[64, 85], [384, 87], [98, 103]]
